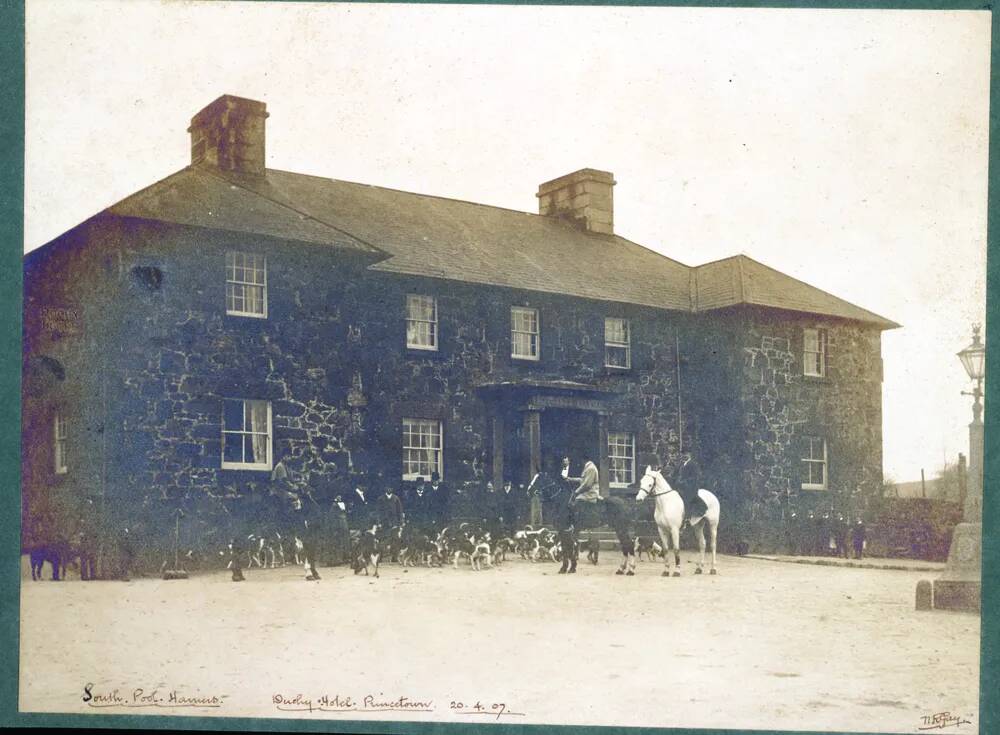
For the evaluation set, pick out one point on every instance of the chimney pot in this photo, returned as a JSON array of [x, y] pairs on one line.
[[229, 134], [583, 197]]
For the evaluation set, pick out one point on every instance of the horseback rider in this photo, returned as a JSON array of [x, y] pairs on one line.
[[687, 482]]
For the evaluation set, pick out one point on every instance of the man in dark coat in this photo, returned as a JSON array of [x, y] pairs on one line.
[[858, 538], [359, 509], [462, 505], [489, 510], [338, 535], [418, 509], [687, 482], [389, 510], [511, 507], [439, 501]]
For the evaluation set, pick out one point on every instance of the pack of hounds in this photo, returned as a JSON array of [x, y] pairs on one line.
[[458, 544]]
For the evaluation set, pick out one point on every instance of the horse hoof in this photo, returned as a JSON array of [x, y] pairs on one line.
[[665, 574], [629, 574], [677, 574], [698, 570], [619, 572], [713, 572], [562, 571]]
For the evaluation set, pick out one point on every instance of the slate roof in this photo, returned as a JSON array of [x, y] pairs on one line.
[[422, 235]]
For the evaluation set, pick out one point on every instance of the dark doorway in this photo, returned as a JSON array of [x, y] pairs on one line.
[[570, 433]]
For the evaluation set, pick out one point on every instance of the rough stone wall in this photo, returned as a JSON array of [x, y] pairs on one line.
[[782, 405], [474, 348], [332, 360], [160, 355]]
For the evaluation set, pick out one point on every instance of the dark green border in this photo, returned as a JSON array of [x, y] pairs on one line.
[[12, 239]]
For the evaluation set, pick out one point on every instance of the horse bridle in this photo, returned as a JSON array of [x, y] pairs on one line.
[[651, 494]]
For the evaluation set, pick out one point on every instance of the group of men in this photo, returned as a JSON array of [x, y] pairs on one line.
[[324, 530]]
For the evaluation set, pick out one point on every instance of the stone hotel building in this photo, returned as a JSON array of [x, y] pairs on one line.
[[181, 341]]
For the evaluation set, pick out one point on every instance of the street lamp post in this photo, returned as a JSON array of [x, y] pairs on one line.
[[960, 585], [973, 359]]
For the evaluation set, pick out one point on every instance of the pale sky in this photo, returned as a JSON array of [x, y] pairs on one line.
[[845, 148]]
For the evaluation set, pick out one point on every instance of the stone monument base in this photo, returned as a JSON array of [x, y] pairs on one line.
[[960, 585]]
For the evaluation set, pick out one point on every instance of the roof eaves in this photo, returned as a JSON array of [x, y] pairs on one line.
[[871, 315]]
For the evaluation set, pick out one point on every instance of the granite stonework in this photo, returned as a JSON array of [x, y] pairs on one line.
[[153, 354], [782, 405], [126, 333]]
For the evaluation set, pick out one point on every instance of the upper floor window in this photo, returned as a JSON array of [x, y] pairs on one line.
[[423, 444], [59, 444], [246, 284], [621, 458], [617, 343], [814, 352], [814, 474], [524, 341], [421, 322], [246, 434]]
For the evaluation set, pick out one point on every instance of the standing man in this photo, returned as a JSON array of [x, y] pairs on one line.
[[340, 535], [858, 538], [358, 509], [418, 505], [489, 511], [438, 501], [510, 508], [389, 510]]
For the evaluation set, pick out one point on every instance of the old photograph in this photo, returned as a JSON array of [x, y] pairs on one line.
[[504, 364]]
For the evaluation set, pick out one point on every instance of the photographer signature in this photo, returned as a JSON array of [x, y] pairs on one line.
[[941, 720]]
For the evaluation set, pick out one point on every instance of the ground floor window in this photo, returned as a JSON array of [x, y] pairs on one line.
[[422, 449], [814, 463], [621, 458], [246, 434], [60, 433]]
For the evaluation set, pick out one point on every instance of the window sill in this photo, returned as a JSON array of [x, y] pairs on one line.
[[617, 369], [815, 488], [524, 359], [421, 348], [247, 314], [247, 467], [62, 470]]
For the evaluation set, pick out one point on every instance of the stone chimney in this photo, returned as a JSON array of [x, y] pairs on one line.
[[229, 134], [583, 197]]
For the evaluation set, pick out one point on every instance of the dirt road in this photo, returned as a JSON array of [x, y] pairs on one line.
[[763, 644]]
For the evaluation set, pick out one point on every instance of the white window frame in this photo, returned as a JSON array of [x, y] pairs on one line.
[[811, 460], [242, 432], [812, 357], [419, 422], [516, 311], [612, 344], [413, 300], [615, 443], [59, 438], [253, 263]]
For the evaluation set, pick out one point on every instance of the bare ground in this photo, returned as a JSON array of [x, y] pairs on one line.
[[761, 645]]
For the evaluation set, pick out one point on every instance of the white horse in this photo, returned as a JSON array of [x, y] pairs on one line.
[[669, 515]]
